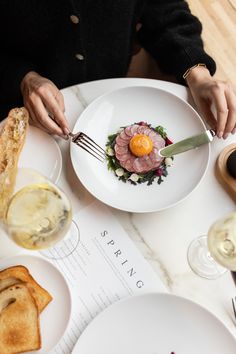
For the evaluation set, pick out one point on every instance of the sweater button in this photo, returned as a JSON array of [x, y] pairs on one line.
[[79, 56], [74, 19]]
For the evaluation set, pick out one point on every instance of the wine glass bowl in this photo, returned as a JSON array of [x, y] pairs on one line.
[[39, 216], [200, 260], [211, 255], [222, 241]]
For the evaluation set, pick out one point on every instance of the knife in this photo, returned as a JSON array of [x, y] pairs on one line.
[[187, 144], [233, 276]]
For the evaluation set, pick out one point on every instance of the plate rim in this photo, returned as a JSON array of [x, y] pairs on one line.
[[155, 294], [40, 258], [133, 210]]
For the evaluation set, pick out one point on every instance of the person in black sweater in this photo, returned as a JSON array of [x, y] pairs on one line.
[[48, 45]]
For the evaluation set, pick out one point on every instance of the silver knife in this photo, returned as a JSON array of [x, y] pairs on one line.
[[187, 144]]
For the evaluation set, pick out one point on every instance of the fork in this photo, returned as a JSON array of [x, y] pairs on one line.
[[89, 145], [234, 306], [233, 274]]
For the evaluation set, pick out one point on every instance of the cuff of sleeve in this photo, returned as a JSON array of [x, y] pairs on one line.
[[13, 75], [190, 58]]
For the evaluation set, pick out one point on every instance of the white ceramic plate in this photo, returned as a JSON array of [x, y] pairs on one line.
[[55, 317], [155, 324], [122, 107], [41, 153]]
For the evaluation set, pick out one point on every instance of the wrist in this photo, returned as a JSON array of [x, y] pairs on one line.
[[195, 73]]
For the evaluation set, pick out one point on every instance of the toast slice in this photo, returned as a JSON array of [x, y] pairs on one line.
[[19, 274], [12, 139], [19, 321]]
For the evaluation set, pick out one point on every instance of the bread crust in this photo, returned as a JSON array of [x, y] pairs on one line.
[[19, 274], [12, 139]]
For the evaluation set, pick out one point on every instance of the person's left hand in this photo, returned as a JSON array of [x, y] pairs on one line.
[[207, 92]]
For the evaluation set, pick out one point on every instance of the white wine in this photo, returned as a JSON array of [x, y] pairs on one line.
[[38, 216], [222, 241]]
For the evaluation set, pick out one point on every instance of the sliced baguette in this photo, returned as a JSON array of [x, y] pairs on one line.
[[19, 321], [12, 139], [20, 274]]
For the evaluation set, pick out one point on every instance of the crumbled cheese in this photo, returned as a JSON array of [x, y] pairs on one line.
[[110, 151], [119, 172], [168, 161], [134, 177]]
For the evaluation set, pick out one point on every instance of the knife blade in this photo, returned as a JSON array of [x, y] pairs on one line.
[[187, 144], [233, 276]]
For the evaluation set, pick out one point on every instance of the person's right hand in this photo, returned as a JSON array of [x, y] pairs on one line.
[[45, 104], [209, 92]]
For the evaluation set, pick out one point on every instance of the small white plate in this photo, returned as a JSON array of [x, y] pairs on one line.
[[55, 317], [41, 153], [123, 107], [155, 323]]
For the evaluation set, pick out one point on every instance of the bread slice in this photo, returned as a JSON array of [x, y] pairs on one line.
[[19, 321], [20, 274], [12, 139]]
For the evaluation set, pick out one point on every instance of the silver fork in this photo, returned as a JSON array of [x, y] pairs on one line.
[[234, 306], [233, 274], [89, 145]]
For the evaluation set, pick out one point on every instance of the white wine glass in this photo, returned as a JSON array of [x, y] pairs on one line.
[[39, 217], [211, 255]]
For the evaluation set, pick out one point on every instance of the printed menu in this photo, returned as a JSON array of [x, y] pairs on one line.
[[105, 267]]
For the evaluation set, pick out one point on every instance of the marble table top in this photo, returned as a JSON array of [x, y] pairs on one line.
[[163, 237]]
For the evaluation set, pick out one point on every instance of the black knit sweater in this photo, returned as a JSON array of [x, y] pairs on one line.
[[39, 35]]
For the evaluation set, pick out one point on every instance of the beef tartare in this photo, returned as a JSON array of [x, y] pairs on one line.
[[132, 153]]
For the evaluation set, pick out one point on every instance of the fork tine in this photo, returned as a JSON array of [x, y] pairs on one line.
[[90, 148], [89, 145], [97, 157], [234, 307], [92, 141]]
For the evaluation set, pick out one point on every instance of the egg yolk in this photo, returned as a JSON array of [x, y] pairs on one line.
[[140, 145]]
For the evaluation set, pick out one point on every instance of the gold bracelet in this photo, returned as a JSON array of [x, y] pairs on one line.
[[187, 72]]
